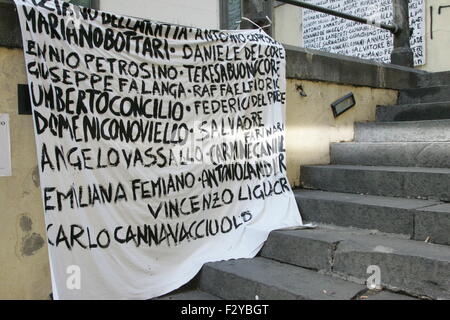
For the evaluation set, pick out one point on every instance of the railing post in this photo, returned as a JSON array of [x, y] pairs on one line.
[[402, 54]]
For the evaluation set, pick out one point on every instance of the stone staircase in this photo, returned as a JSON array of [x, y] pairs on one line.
[[382, 201]]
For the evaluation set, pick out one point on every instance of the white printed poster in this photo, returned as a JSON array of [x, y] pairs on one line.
[[5, 146], [336, 35], [160, 147]]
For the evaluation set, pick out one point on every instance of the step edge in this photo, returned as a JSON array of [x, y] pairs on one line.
[[379, 168]]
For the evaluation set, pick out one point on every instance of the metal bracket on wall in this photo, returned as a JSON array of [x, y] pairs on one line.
[[300, 90], [431, 22], [442, 7], [24, 102]]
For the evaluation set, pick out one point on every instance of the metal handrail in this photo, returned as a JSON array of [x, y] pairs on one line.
[[393, 28]]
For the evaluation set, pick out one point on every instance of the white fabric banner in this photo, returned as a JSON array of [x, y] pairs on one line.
[[160, 147]]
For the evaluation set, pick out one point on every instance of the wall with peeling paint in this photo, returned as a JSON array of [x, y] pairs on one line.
[[24, 271]]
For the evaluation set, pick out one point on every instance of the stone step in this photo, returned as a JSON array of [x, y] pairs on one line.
[[403, 131], [433, 79], [404, 154], [404, 182], [416, 219], [433, 223], [383, 295], [265, 279], [414, 267], [414, 112], [421, 95], [192, 294]]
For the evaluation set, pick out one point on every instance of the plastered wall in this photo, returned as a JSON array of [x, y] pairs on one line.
[[194, 13], [311, 127], [437, 47], [287, 20], [24, 267]]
